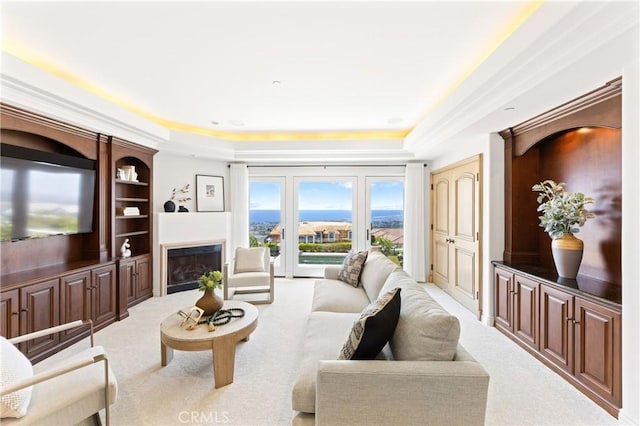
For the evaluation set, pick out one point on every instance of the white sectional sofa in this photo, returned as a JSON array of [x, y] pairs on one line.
[[422, 377]]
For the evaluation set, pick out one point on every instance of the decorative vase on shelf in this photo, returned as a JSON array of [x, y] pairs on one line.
[[210, 302], [169, 206], [567, 255]]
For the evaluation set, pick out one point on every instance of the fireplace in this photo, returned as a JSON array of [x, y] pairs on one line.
[[184, 265]]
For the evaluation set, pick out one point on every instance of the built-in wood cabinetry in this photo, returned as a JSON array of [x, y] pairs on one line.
[[10, 313], [135, 272], [53, 280], [573, 326], [517, 307], [136, 279], [39, 309], [574, 332]]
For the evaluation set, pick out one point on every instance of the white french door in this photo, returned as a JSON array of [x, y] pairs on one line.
[[326, 226], [384, 223], [310, 216], [267, 218]]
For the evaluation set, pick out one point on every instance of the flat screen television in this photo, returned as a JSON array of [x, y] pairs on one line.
[[44, 193]]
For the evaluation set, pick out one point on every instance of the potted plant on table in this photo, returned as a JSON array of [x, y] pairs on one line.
[[563, 213], [210, 302]]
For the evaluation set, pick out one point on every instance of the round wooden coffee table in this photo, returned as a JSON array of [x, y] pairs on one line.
[[222, 342]]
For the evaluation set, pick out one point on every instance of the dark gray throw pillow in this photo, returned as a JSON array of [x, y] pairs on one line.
[[374, 328]]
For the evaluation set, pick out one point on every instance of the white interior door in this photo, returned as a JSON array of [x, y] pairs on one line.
[[456, 218]]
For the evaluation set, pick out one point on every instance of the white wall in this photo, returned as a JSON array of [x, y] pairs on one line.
[[175, 171], [630, 413]]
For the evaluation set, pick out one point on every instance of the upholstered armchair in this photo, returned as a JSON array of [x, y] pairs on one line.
[[250, 271], [68, 392]]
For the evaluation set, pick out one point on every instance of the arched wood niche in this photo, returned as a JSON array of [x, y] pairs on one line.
[[578, 143], [26, 129]]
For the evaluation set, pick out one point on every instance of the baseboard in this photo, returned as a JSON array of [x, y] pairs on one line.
[[623, 419], [488, 320]]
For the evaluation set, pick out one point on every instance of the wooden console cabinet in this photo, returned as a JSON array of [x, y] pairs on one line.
[[51, 296], [57, 279], [574, 332]]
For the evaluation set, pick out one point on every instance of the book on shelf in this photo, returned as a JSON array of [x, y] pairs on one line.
[[130, 211]]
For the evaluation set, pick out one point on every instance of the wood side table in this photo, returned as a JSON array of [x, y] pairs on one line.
[[222, 342]]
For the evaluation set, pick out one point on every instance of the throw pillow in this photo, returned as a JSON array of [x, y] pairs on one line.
[[425, 331], [249, 259], [352, 267], [14, 366], [371, 332], [375, 272]]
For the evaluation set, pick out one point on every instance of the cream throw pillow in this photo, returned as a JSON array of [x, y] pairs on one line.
[[374, 274], [14, 366], [425, 330], [249, 259]]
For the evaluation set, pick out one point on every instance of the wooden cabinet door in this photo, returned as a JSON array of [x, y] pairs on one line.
[[40, 309], [144, 280], [103, 284], [598, 349], [556, 327], [9, 314], [525, 311], [127, 280], [76, 293], [504, 288]]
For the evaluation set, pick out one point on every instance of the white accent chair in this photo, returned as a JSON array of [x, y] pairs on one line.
[[68, 392], [251, 271]]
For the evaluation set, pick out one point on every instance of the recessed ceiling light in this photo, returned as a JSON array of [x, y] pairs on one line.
[[510, 108], [237, 123], [395, 120], [276, 82], [214, 122]]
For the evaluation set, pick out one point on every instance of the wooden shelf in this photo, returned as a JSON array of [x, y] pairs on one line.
[[133, 200], [141, 216], [131, 234], [130, 182]]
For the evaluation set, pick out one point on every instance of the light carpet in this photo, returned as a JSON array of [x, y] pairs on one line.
[[522, 390]]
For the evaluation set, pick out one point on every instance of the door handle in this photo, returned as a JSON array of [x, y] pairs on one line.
[[282, 238], [367, 235]]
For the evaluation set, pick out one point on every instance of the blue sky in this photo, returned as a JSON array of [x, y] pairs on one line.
[[327, 195]]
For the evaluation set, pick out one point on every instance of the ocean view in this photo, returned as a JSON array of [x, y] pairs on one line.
[[273, 216]]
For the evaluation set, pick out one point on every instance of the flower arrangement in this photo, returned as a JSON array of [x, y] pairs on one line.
[[210, 281], [562, 212]]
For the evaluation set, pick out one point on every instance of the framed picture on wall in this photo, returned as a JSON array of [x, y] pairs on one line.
[[209, 193]]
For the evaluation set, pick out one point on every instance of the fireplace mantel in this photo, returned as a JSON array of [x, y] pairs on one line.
[[185, 229]]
